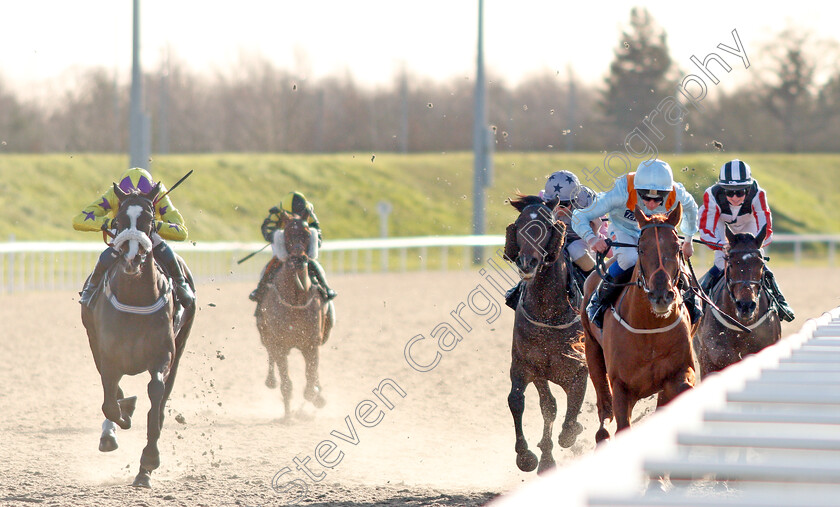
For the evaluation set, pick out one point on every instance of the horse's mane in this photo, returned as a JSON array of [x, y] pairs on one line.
[[522, 201], [526, 200]]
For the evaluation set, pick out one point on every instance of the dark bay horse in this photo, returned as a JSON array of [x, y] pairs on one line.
[[739, 294], [293, 314], [545, 327], [645, 346], [133, 327]]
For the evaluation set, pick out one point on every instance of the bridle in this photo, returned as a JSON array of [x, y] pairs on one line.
[[730, 283], [641, 280]]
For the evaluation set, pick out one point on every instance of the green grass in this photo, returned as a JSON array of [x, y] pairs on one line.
[[228, 196]]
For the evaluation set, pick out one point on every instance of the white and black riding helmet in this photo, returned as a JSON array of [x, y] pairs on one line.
[[735, 175], [654, 180]]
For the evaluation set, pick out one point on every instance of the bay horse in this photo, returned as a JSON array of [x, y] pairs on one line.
[[645, 346], [135, 326], [739, 294], [293, 314], [545, 327]]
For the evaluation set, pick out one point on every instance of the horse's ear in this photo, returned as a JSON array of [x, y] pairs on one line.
[[641, 218], [511, 246], [517, 203], [730, 236], [675, 215], [153, 193], [119, 192], [759, 240], [555, 244]]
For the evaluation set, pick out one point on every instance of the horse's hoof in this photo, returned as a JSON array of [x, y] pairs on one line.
[[569, 434], [546, 463], [602, 435], [127, 406], [319, 401], [143, 480], [108, 443], [271, 382], [526, 461]]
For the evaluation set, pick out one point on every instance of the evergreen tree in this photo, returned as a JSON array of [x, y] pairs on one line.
[[639, 75]]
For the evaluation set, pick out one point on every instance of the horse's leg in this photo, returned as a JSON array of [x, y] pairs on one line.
[[282, 360], [270, 380], [150, 458], [312, 391], [525, 459], [673, 387], [548, 405], [575, 392], [623, 403], [108, 438], [110, 405], [329, 322], [598, 374]]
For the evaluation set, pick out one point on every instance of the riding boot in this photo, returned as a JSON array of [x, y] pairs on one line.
[[317, 272], [512, 295], [710, 279], [695, 309], [273, 265], [602, 298], [106, 260], [183, 292], [785, 311]]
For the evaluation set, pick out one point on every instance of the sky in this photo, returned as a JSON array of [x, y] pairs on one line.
[[44, 44]]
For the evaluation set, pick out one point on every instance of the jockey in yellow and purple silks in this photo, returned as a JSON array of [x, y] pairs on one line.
[[292, 203], [169, 224]]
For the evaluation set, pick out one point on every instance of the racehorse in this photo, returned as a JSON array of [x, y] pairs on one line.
[[645, 345], [293, 314], [545, 327], [134, 326], [738, 294]]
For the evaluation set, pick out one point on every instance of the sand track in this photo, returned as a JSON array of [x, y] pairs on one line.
[[449, 441]]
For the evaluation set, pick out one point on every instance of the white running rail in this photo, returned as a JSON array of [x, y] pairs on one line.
[[65, 265], [763, 432]]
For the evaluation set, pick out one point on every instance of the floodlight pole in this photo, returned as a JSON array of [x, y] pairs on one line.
[[138, 122], [480, 139]]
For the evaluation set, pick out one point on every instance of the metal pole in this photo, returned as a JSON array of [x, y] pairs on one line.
[[479, 140], [138, 123]]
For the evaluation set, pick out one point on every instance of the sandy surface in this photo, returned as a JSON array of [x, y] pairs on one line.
[[449, 441]]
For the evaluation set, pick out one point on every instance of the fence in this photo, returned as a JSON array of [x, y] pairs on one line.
[[65, 265], [765, 431]]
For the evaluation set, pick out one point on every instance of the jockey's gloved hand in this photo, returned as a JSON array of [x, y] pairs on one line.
[[107, 224]]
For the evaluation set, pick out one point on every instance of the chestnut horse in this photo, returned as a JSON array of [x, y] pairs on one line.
[[739, 293], [545, 327], [135, 326], [293, 314], [645, 345]]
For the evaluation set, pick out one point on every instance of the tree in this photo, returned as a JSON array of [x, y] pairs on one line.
[[640, 74]]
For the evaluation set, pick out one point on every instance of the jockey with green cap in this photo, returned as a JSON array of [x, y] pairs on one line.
[[169, 224], [293, 203]]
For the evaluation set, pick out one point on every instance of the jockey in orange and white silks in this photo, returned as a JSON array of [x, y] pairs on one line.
[[292, 203], [169, 224], [653, 190], [737, 201]]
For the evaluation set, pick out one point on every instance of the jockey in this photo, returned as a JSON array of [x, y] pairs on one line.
[[169, 224], [566, 188], [292, 203], [737, 200], [653, 189]]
